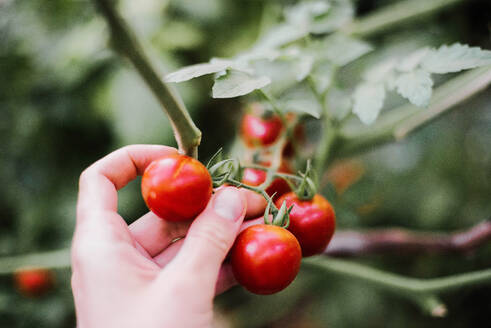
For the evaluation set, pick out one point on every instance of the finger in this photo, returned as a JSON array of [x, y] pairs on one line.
[[225, 280], [99, 182], [249, 223], [155, 234], [168, 254], [210, 237], [256, 204], [164, 257]]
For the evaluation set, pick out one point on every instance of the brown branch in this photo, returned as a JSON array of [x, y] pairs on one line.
[[382, 241]]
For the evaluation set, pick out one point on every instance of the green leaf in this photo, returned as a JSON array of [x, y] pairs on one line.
[[322, 75], [415, 86], [190, 72], [340, 13], [412, 61], [303, 67], [237, 83], [301, 99], [455, 58], [285, 71], [339, 103], [280, 36], [304, 12], [368, 101], [341, 49], [380, 71]]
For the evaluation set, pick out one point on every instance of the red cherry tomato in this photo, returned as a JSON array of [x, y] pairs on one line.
[[176, 187], [265, 258], [255, 177], [258, 131], [34, 282], [311, 221]]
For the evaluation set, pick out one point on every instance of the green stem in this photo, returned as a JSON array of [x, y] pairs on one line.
[[188, 136], [258, 190], [326, 146], [399, 13], [400, 122], [276, 174], [49, 260], [421, 291]]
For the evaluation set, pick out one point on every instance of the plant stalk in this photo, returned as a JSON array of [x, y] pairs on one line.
[[396, 14], [187, 135]]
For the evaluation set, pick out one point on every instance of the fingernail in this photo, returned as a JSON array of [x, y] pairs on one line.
[[228, 204]]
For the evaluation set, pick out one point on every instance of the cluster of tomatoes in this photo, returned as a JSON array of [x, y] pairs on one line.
[[266, 257]]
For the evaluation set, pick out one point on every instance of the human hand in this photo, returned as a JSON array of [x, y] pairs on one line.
[[136, 276]]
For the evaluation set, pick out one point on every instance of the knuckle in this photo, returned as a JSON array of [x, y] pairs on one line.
[[86, 176]]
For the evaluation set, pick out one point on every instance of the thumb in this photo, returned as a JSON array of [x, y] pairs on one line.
[[211, 236]]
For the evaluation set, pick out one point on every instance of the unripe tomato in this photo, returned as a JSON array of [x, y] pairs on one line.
[[260, 131], [255, 177], [311, 221], [33, 282], [176, 187], [265, 258]]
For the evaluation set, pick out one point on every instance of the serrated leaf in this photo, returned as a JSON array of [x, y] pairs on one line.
[[236, 83], [303, 13], [380, 71], [301, 99], [339, 103], [322, 75], [340, 13], [415, 86], [190, 72], [368, 100], [303, 67], [455, 58], [341, 49], [285, 71], [280, 36], [412, 61]]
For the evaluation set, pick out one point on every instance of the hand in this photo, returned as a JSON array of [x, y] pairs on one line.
[[136, 276]]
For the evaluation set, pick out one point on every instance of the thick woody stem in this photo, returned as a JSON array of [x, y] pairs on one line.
[[401, 241]]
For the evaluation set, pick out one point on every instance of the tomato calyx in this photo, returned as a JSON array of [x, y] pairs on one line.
[[281, 216], [230, 172], [307, 188], [222, 170]]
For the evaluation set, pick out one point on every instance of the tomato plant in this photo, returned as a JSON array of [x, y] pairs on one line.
[[33, 282], [311, 221], [265, 258], [176, 187], [255, 177]]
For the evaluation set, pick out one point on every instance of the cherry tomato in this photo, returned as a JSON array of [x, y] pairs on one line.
[[255, 177], [257, 131], [311, 221], [33, 282], [265, 258], [176, 187]]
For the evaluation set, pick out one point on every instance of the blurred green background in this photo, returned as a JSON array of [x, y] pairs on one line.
[[66, 100]]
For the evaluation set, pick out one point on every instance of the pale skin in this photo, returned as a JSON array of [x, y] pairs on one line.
[[136, 276]]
